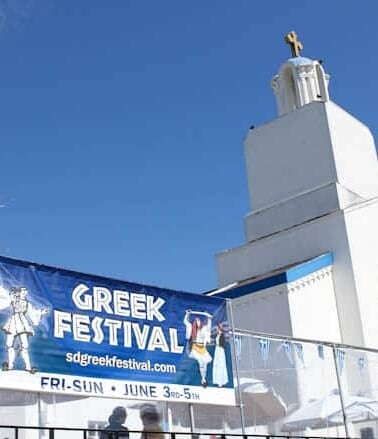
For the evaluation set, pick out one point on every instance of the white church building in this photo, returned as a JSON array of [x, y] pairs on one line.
[[308, 267], [313, 185], [301, 291]]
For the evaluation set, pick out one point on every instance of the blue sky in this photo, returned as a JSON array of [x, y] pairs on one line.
[[122, 123]]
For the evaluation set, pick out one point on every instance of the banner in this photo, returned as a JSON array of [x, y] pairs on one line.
[[73, 333]]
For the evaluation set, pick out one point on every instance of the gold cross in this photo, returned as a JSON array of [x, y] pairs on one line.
[[295, 45]]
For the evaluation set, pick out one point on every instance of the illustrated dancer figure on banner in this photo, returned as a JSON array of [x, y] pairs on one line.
[[198, 332], [220, 376], [19, 327]]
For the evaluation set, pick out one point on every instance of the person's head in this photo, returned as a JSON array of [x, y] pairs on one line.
[[23, 293], [220, 327], [118, 415], [149, 415], [19, 292]]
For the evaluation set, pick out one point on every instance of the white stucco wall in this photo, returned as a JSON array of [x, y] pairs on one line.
[[305, 308], [297, 244], [313, 307], [264, 311], [288, 156], [361, 224], [311, 147], [310, 174], [354, 152]]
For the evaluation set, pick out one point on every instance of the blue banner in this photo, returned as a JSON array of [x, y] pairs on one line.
[[69, 332]]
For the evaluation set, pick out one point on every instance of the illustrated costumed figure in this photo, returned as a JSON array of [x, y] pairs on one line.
[[19, 327], [198, 332], [220, 376]]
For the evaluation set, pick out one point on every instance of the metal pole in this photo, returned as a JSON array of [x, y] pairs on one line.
[[191, 418], [241, 406], [340, 391], [40, 433]]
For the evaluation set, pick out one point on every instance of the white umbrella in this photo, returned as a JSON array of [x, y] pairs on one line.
[[261, 403], [261, 406], [359, 411], [326, 412]]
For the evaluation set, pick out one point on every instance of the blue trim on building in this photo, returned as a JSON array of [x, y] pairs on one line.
[[309, 267], [289, 275]]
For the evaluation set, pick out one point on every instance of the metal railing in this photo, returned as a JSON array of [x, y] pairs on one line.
[[292, 379], [18, 432]]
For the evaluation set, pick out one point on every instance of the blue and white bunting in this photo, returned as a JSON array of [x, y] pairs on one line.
[[340, 358], [299, 351], [264, 344], [238, 346], [361, 364], [287, 347]]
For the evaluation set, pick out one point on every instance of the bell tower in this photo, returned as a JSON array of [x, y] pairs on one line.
[[300, 80], [313, 185]]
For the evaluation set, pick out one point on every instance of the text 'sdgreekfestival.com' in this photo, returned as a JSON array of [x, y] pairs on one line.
[[84, 360]]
